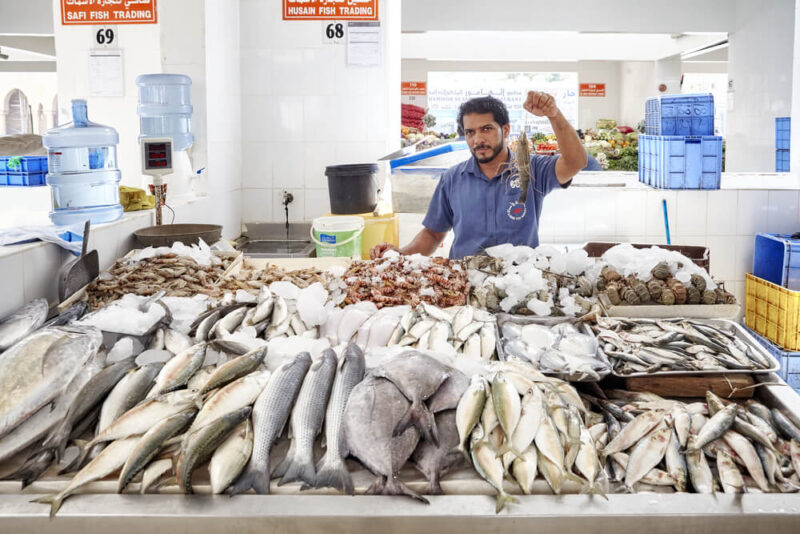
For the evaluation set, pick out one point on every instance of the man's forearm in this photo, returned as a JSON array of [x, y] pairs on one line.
[[569, 144], [424, 243]]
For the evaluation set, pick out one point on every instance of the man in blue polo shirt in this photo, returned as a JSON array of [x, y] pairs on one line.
[[476, 199]]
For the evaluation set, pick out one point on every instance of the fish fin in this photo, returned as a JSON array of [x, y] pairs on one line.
[[593, 489], [282, 467], [462, 450], [55, 502], [502, 499], [334, 474], [573, 478], [297, 471], [420, 417], [394, 486], [434, 487], [256, 479], [506, 449]]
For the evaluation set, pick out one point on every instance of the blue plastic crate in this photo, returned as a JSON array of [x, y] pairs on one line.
[[783, 132], [23, 179], [23, 163], [776, 258], [782, 160], [790, 361], [680, 162], [680, 115]]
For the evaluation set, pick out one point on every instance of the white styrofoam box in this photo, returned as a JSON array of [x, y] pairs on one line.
[[654, 212], [752, 212], [743, 260], [317, 156], [256, 205], [256, 70], [258, 118], [318, 118], [723, 257], [288, 70], [722, 212], [319, 71], [630, 213], [782, 214], [287, 169], [287, 111], [257, 164], [599, 223], [317, 203], [691, 212], [12, 285], [297, 209]]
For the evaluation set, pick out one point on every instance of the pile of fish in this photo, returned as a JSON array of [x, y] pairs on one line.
[[395, 280], [648, 442], [177, 275], [552, 347], [520, 424], [455, 330], [651, 345]]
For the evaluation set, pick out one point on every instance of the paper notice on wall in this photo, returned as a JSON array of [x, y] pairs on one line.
[[105, 73], [415, 93], [364, 43]]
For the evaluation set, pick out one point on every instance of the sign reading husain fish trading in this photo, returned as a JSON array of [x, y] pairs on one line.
[[108, 12], [330, 9]]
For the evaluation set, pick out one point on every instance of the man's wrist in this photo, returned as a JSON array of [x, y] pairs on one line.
[[557, 116]]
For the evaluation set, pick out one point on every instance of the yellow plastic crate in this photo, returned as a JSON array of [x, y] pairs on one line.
[[774, 312]]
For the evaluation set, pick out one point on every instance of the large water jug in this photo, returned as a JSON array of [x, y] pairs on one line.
[[82, 170], [165, 108]]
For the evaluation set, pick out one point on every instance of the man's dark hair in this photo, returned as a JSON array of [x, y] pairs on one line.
[[483, 104]]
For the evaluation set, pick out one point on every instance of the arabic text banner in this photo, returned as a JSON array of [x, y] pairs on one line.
[[330, 9], [108, 12]]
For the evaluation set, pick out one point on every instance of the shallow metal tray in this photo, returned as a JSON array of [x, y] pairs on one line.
[[741, 333], [548, 321]]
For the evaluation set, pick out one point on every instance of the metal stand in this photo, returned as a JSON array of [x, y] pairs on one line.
[[160, 191]]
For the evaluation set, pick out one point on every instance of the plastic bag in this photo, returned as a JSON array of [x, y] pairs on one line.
[[67, 237]]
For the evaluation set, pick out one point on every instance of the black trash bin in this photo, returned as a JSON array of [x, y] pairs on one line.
[[352, 188]]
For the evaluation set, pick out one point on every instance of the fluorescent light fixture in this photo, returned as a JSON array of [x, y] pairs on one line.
[[701, 51]]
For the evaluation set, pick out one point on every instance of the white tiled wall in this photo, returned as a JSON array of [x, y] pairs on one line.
[[725, 221], [304, 108]]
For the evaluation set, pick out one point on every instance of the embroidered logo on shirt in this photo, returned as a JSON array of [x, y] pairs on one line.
[[516, 211], [514, 183]]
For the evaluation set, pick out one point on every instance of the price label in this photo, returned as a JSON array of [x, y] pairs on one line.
[[333, 32], [105, 36]]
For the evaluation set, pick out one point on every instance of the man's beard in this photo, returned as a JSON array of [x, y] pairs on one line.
[[495, 152]]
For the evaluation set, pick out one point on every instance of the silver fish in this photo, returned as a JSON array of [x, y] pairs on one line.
[[332, 470], [270, 413], [488, 343], [449, 393], [418, 377], [177, 371], [231, 457], [34, 371], [489, 467], [203, 331], [433, 460], [469, 411], [633, 432], [675, 462], [238, 394], [729, 475], [714, 428], [784, 425], [747, 453], [227, 324], [524, 469], [233, 369], [262, 311], [22, 322], [306, 422], [647, 454], [128, 392], [153, 473]]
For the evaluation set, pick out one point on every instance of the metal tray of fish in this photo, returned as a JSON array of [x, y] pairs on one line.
[[583, 368], [731, 326]]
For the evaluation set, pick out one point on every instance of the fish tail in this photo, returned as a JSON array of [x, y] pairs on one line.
[[502, 499], [298, 471], [462, 450], [257, 479], [593, 489], [55, 502], [421, 418], [394, 486], [506, 449], [334, 474]]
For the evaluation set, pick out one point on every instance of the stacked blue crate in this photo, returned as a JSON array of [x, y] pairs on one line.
[[783, 130], [790, 361], [690, 114], [680, 162], [23, 170]]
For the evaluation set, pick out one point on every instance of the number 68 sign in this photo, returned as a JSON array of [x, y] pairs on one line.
[[333, 32]]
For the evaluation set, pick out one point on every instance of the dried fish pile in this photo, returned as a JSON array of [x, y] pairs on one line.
[[178, 276], [649, 346], [396, 280], [556, 348], [521, 424], [649, 442]]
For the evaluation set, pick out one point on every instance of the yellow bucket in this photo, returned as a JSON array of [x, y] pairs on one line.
[[378, 229]]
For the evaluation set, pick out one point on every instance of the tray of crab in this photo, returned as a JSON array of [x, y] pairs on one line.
[[647, 347], [556, 346]]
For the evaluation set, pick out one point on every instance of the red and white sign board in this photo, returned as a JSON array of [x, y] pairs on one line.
[[74, 12], [414, 93], [593, 89], [330, 9]]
